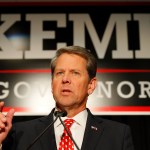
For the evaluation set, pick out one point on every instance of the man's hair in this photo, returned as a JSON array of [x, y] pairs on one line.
[[80, 51]]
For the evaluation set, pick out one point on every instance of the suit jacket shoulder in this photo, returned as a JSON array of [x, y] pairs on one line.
[[106, 134], [24, 133]]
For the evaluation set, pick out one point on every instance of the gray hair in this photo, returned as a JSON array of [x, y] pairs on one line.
[[80, 51]]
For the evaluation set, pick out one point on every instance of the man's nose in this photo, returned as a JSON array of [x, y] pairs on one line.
[[66, 78]]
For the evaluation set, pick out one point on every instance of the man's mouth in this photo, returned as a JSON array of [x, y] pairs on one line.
[[66, 91]]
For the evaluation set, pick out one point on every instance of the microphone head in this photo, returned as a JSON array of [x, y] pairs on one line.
[[60, 113]]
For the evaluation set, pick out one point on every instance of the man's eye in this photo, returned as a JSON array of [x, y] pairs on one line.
[[59, 73], [75, 73]]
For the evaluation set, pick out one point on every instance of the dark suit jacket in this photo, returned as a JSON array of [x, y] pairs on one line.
[[100, 134]]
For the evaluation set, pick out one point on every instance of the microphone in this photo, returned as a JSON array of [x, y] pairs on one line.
[[68, 132], [58, 114]]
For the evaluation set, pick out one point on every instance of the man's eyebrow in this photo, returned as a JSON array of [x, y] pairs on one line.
[[59, 69], [76, 70]]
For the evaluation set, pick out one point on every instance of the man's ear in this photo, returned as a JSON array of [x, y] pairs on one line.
[[92, 85], [51, 86]]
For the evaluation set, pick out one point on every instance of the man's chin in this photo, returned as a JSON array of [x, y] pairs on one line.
[[64, 105]]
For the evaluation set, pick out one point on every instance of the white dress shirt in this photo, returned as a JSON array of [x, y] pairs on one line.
[[77, 129]]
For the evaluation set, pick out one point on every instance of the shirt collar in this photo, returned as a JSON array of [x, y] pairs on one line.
[[80, 118]]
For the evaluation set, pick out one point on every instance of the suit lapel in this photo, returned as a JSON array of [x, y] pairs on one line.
[[93, 132], [47, 141]]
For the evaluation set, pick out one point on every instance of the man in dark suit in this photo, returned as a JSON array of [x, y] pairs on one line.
[[73, 80]]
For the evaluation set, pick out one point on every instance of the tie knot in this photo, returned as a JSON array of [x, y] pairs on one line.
[[68, 122]]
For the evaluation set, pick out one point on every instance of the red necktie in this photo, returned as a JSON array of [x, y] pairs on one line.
[[66, 143]]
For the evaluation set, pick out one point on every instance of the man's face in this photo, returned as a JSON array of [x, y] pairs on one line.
[[70, 83]]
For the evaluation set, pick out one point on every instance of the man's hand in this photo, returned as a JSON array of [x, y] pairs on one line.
[[5, 122]]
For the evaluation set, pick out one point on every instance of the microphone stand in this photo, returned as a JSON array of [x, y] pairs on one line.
[[35, 140], [58, 115], [68, 133]]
